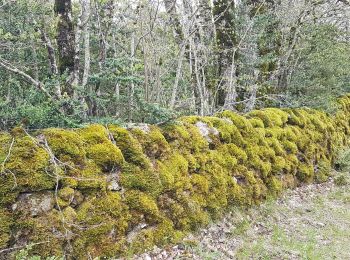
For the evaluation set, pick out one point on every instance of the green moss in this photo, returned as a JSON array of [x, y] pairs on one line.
[[290, 147], [136, 178], [27, 168], [271, 117], [102, 222], [153, 142], [106, 155], [162, 234], [274, 186], [66, 145], [5, 227], [305, 172], [130, 147], [323, 171], [142, 206], [257, 122]]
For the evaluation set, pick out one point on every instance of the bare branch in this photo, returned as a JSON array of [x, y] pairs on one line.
[[4, 64]]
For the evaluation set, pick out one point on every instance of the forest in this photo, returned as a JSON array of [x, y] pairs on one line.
[[174, 129], [68, 63]]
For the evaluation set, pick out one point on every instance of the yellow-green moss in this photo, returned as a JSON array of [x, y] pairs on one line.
[[271, 117], [102, 221], [66, 145], [136, 178], [5, 227], [106, 155], [130, 147], [153, 142]]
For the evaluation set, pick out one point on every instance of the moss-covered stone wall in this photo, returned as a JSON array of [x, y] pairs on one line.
[[109, 191]]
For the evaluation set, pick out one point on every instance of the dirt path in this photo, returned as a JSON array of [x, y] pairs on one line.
[[311, 222]]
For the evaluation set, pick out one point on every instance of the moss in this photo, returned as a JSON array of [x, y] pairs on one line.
[[228, 132], [153, 142], [130, 147], [256, 122], [235, 152], [323, 171], [290, 147], [102, 222], [239, 121], [5, 227], [271, 117], [142, 206], [29, 164], [66, 145], [133, 177], [106, 155], [305, 172], [93, 134], [162, 234]]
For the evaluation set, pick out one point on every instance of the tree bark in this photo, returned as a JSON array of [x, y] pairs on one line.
[[65, 41], [50, 51], [224, 17]]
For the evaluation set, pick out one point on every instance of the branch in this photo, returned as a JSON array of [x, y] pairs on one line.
[[25, 76]]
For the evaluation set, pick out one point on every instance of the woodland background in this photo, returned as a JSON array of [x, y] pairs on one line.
[[67, 63]]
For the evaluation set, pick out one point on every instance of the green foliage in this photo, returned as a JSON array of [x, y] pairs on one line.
[[341, 180], [322, 74], [343, 161]]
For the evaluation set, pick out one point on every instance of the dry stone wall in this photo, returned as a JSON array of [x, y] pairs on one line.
[[109, 191]]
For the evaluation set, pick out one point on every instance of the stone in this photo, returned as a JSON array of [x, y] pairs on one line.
[[34, 204]]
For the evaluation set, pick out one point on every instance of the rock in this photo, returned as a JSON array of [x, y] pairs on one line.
[[205, 130], [34, 204], [147, 257], [143, 127], [133, 233], [113, 182]]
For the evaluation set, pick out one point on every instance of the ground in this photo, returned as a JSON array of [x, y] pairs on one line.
[[310, 222]]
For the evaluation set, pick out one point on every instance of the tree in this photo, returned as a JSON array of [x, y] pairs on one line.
[[65, 42]]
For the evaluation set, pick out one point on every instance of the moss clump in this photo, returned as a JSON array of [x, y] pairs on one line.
[[153, 142], [66, 145], [161, 234], [145, 180], [130, 147], [305, 172], [100, 149], [102, 220], [143, 207], [271, 117], [5, 227], [106, 155]]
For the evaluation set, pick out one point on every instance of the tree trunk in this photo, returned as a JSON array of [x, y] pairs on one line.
[[65, 41], [224, 17]]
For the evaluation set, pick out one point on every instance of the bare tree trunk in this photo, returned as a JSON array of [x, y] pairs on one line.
[[50, 51], [170, 6], [177, 77], [131, 89], [65, 41], [224, 17], [86, 34]]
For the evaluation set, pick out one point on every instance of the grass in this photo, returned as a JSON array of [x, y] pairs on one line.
[[316, 228], [311, 222]]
